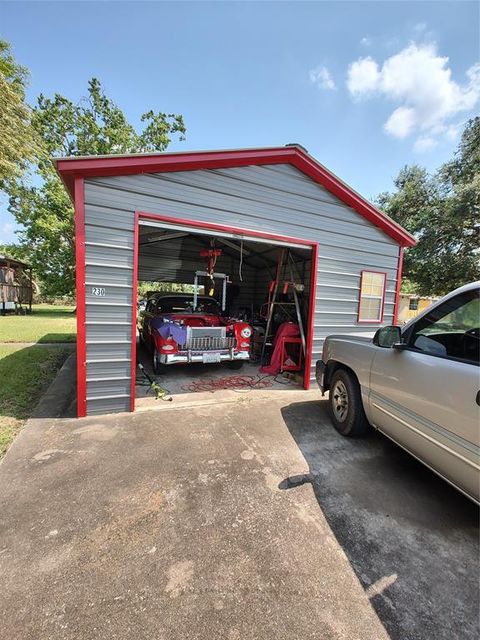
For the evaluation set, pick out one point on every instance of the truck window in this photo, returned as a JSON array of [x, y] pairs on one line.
[[452, 330]]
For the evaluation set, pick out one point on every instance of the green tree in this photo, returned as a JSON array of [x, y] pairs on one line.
[[165, 287], [15, 251], [94, 126], [442, 212], [17, 139]]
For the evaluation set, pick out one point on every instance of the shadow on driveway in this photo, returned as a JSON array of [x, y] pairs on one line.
[[410, 537]]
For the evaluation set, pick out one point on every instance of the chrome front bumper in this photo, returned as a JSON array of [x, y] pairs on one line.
[[189, 356]]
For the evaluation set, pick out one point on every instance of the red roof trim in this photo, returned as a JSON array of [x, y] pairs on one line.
[[71, 168]]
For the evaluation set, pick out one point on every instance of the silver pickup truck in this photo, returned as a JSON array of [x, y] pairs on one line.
[[418, 384]]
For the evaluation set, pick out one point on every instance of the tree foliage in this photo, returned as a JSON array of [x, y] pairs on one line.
[[442, 212], [94, 126], [17, 139], [15, 251], [165, 287]]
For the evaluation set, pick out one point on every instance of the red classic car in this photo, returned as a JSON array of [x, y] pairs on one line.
[[178, 332]]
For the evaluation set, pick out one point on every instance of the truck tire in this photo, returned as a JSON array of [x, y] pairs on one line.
[[346, 407]]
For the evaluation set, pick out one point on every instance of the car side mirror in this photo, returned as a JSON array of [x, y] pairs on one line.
[[388, 337]]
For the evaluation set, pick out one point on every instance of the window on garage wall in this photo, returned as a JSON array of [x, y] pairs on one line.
[[372, 296]]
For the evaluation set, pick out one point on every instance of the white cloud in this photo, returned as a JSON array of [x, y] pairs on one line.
[[424, 143], [401, 123], [420, 27], [366, 41], [321, 77], [422, 32], [453, 131], [7, 228], [420, 81], [363, 76]]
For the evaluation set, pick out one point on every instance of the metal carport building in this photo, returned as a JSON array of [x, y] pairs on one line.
[[279, 196]]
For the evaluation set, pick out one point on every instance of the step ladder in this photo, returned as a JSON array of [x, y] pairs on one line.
[[283, 258]]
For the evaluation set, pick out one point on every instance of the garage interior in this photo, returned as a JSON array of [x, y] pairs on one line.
[[253, 267]]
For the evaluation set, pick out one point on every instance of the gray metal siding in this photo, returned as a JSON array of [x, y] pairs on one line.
[[276, 199]]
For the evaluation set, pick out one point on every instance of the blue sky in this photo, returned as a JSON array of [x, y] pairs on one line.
[[366, 87]]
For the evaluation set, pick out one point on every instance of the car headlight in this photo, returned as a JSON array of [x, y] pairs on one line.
[[246, 332]]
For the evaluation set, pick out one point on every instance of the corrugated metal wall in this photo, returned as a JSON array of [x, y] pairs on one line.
[[180, 258], [276, 199]]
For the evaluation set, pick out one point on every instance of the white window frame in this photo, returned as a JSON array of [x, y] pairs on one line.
[[361, 297]]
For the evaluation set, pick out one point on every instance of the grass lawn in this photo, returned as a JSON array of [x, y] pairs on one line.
[[25, 373], [47, 323]]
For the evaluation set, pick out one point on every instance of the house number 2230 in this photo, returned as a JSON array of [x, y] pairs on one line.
[[99, 291]]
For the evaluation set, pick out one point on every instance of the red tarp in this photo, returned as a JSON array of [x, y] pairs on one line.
[[287, 329]]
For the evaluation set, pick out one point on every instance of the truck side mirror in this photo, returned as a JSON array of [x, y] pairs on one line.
[[387, 337]]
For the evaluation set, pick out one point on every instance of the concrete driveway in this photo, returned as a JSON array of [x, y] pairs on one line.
[[203, 522]]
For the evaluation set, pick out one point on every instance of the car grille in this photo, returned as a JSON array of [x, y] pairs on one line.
[[209, 343]]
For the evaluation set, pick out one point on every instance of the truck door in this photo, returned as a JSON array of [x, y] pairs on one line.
[[425, 396]]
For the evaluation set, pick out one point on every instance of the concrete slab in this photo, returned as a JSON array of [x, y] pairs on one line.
[[181, 380], [170, 525], [194, 523]]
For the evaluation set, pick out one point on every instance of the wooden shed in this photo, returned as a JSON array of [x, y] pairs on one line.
[[16, 286]]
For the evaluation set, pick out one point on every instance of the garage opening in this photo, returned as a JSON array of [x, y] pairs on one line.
[[220, 309]]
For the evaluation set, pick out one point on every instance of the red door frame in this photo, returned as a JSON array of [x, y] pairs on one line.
[[399, 286], [245, 233]]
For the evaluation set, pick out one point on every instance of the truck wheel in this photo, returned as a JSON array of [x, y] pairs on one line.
[[235, 364], [346, 407], [157, 366]]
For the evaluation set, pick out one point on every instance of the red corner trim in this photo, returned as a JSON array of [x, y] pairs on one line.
[[399, 286], [80, 297], [134, 316], [346, 194], [384, 274], [162, 162], [311, 315], [166, 162]]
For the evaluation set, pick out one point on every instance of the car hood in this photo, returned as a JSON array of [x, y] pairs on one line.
[[195, 319]]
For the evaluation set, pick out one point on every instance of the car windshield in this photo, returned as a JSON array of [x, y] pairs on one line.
[[184, 304]]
